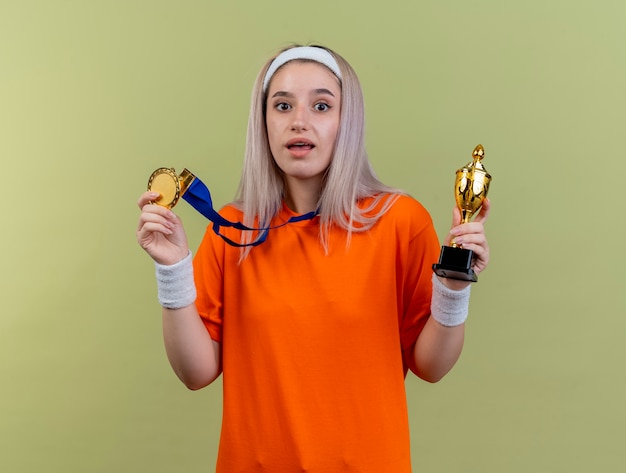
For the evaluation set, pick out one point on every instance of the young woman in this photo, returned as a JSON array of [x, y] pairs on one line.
[[315, 323]]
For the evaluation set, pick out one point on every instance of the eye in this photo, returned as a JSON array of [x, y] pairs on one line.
[[282, 106], [321, 107]]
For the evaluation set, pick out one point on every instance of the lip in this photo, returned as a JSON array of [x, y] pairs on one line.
[[299, 151], [295, 141]]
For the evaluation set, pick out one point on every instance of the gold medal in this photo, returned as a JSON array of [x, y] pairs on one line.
[[169, 185]]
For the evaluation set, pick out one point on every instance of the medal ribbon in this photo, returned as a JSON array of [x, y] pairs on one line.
[[198, 196]]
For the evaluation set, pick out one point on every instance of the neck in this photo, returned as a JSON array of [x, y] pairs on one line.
[[302, 197]]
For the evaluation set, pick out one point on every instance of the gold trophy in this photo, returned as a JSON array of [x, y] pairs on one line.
[[470, 189], [169, 185]]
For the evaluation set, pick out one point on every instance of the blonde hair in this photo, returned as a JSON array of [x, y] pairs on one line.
[[349, 178]]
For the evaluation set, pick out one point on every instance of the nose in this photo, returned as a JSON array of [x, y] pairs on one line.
[[300, 120]]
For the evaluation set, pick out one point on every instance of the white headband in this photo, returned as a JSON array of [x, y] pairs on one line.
[[311, 53]]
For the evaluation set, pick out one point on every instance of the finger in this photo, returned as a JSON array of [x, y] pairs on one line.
[[164, 212], [456, 221], [471, 239], [480, 255], [479, 246], [456, 216], [154, 214], [470, 228], [148, 226], [481, 259], [146, 198], [484, 211], [154, 227]]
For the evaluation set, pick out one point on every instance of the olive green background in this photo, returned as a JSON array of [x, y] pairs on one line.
[[94, 95]]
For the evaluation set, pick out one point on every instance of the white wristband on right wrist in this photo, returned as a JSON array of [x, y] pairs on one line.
[[449, 307], [175, 283]]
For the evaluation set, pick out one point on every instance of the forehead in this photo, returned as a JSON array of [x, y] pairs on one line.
[[300, 73]]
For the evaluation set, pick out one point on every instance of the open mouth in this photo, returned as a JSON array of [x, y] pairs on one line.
[[301, 145]]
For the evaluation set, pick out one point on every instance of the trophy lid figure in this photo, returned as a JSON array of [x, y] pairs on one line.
[[472, 185]]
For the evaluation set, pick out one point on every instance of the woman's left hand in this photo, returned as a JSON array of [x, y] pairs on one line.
[[471, 236]]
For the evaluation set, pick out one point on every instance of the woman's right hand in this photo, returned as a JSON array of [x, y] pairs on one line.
[[160, 231]]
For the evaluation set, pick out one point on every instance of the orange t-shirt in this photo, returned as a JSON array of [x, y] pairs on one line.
[[312, 343]]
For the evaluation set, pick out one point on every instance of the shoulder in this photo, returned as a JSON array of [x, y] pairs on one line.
[[408, 219], [406, 210], [222, 225], [408, 205], [231, 211], [399, 213]]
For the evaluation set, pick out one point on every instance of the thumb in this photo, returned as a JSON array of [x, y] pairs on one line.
[[484, 211], [456, 221], [456, 217]]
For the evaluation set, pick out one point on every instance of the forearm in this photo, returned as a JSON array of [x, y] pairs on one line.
[[193, 355], [437, 350], [439, 345], [191, 351]]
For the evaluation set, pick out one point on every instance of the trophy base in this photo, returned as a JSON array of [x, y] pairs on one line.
[[455, 263]]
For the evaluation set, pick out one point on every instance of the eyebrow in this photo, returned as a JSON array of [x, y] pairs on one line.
[[322, 91]]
